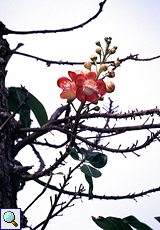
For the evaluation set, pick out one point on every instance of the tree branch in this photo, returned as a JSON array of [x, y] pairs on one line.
[[104, 197], [49, 62], [50, 126], [101, 4]]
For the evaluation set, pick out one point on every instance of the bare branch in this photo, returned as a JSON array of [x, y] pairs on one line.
[[42, 164], [104, 197], [57, 197], [50, 126], [51, 145], [49, 62], [44, 189], [44, 129], [101, 4]]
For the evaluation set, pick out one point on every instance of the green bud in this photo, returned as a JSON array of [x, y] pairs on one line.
[[98, 51], [113, 50], [98, 43], [96, 108], [106, 39]]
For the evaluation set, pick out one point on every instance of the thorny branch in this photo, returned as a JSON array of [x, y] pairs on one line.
[[55, 124], [101, 4], [78, 193], [117, 130], [42, 164], [57, 197], [49, 62], [44, 189], [103, 197]]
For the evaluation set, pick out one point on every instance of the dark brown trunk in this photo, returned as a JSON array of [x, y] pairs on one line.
[[7, 193]]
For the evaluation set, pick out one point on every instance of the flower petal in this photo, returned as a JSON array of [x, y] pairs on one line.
[[72, 75], [101, 87], [79, 72], [79, 80], [91, 75], [91, 98], [62, 81], [80, 94], [69, 94]]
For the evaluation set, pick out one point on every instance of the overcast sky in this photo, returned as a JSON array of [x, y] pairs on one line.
[[134, 28]]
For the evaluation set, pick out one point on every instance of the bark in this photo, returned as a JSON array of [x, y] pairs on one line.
[[7, 195]]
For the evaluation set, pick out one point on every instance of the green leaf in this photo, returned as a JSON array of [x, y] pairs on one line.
[[111, 223], [99, 161], [121, 225], [157, 218], [133, 221], [15, 99], [73, 153], [104, 223], [59, 173], [38, 110], [16, 96], [90, 182], [83, 151], [90, 171], [7, 58], [90, 155]]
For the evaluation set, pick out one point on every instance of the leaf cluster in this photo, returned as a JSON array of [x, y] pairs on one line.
[[114, 223], [96, 159]]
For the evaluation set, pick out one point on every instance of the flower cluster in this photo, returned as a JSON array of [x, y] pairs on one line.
[[88, 86], [82, 85]]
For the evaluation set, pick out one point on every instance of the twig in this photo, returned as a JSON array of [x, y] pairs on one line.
[[57, 197], [42, 164], [81, 189], [44, 189]]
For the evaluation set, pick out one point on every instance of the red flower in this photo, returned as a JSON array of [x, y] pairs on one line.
[[88, 87], [68, 86]]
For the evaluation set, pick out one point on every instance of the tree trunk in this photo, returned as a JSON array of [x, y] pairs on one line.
[[7, 193]]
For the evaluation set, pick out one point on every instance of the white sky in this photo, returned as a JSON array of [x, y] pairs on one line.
[[134, 27]]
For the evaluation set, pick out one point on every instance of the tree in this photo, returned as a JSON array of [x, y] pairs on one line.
[[11, 129]]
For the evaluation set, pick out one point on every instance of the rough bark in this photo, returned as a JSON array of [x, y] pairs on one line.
[[7, 195]]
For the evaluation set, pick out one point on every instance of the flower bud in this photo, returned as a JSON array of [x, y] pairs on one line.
[[116, 63], [93, 57], [111, 73], [103, 67], [110, 86], [98, 43], [96, 108], [113, 50], [98, 51], [108, 40], [87, 65]]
